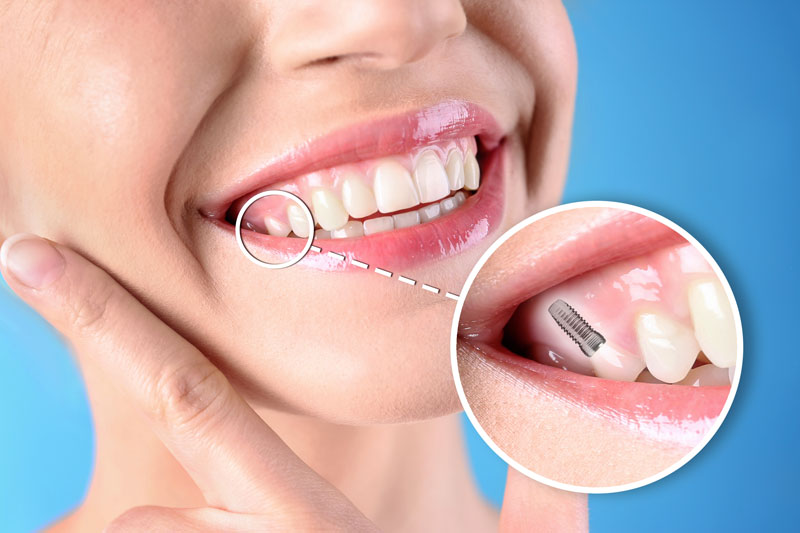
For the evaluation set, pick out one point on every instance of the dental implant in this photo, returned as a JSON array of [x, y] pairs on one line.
[[587, 338]]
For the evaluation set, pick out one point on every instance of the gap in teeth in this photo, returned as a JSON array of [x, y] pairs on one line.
[[377, 195]]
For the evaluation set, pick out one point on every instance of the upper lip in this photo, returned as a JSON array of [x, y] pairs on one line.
[[377, 138]]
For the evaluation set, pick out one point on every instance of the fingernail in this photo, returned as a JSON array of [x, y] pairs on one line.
[[33, 261]]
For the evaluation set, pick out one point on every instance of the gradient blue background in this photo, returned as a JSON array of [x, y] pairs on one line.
[[690, 109]]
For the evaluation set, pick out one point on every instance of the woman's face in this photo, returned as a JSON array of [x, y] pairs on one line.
[[131, 132]]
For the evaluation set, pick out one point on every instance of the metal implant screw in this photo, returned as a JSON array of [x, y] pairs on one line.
[[573, 324]]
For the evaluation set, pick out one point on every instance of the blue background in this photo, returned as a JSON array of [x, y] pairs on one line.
[[690, 109]]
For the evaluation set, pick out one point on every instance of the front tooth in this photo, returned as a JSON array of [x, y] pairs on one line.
[[431, 178], [394, 190], [298, 220], [377, 225], [407, 219], [455, 170], [353, 228], [357, 197], [430, 212], [669, 348], [276, 227], [472, 172], [706, 376], [328, 210], [712, 318], [610, 362]]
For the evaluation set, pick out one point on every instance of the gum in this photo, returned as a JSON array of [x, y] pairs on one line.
[[609, 298]]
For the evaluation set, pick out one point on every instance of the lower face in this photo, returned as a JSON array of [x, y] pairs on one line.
[[137, 136], [625, 401]]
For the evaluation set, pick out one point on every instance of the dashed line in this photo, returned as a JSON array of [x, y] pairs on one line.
[[451, 296], [383, 272], [336, 255], [430, 288], [315, 248], [406, 280], [359, 264]]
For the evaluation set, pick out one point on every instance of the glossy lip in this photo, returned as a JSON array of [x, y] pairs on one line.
[[667, 413], [448, 235]]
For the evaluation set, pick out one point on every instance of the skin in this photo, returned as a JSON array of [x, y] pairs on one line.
[[119, 121]]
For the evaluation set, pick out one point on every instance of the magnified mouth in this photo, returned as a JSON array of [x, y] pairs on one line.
[[397, 191]]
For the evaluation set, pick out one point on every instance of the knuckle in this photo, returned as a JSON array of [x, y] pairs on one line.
[[89, 312], [135, 519], [191, 395]]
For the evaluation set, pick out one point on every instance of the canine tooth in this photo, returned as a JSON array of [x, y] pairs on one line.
[[328, 209], [298, 220], [472, 172], [430, 177], [430, 212], [393, 187], [357, 198], [407, 219], [448, 204], [460, 197], [455, 170], [276, 227], [706, 376], [377, 225], [712, 318], [354, 228], [611, 363], [322, 234], [669, 348]]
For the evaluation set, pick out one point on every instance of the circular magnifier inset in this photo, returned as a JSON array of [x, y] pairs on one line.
[[306, 211]]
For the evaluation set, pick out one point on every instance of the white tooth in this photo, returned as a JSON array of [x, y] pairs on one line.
[[354, 228], [455, 170], [394, 190], [472, 172], [430, 177], [276, 227], [430, 212], [669, 348], [712, 318], [647, 377], [448, 204], [407, 219], [328, 209], [706, 376], [357, 197], [460, 197], [377, 225], [322, 234], [298, 220], [610, 362]]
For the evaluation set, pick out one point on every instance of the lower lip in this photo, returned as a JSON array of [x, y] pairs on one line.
[[672, 414], [465, 227]]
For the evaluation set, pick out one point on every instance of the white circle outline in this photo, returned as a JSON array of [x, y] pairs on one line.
[[306, 212], [485, 436]]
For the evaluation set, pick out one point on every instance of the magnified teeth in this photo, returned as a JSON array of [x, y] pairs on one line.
[[351, 229], [611, 363], [460, 197], [377, 225], [357, 198], [430, 212], [405, 220], [647, 377], [430, 177], [297, 220], [328, 209], [276, 227], [713, 322], [472, 172], [669, 348], [455, 170], [393, 187], [448, 204], [706, 376]]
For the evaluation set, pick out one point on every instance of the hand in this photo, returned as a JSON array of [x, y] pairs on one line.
[[250, 479]]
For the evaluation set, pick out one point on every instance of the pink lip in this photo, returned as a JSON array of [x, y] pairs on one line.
[[451, 234], [673, 413]]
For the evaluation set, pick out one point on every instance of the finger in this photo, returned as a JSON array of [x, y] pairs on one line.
[[532, 506], [165, 520], [236, 460]]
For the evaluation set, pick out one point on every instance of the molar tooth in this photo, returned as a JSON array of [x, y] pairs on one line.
[[394, 190], [669, 348], [276, 226], [328, 210], [430, 177], [706, 376], [298, 220], [354, 228], [609, 362], [357, 197], [712, 318], [430, 212], [472, 172], [322, 234], [455, 170], [407, 219], [377, 225]]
